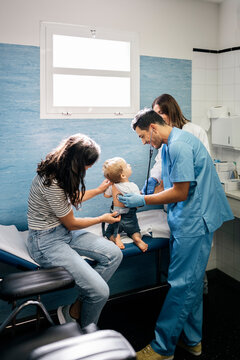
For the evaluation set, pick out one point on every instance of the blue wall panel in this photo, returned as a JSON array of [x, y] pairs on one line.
[[163, 75], [25, 138]]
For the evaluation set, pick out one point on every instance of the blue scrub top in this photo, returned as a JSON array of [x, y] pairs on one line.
[[185, 159]]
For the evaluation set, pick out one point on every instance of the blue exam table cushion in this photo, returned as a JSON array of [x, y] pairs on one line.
[[154, 230], [153, 225]]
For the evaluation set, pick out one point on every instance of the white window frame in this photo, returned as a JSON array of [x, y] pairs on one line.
[[47, 110]]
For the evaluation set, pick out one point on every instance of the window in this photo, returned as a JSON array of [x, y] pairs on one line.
[[88, 73]]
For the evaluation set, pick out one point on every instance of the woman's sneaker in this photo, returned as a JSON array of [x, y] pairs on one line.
[[63, 315]]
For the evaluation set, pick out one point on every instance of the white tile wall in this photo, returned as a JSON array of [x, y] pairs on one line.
[[229, 80], [204, 84], [216, 81]]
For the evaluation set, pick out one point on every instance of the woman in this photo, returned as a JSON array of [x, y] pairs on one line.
[[166, 106], [53, 239]]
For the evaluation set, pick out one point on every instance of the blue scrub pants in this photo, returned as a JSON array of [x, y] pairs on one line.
[[181, 314]]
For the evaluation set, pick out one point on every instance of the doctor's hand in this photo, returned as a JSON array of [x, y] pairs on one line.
[[132, 200], [152, 182]]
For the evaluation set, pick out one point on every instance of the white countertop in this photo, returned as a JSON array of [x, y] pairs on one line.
[[235, 194], [234, 201]]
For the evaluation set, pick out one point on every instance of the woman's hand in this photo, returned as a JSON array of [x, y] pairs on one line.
[[89, 194], [73, 223], [152, 183], [103, 186], [110, 218]]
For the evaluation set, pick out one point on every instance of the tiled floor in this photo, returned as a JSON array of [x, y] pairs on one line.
[[136, 317]]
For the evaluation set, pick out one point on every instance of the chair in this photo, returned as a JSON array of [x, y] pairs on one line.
[[22, 285], [101, 345], [70, 342], [62, 342]]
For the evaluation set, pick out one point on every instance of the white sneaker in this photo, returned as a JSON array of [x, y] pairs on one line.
[[63, 315]]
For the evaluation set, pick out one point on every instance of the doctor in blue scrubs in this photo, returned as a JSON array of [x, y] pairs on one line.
[[197, 206]]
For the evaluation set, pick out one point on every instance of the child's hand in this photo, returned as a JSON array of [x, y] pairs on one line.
[[103, 186]]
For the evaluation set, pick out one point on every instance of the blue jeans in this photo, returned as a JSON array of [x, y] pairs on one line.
[[60, 247]]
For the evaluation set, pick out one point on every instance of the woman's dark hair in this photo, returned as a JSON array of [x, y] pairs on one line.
[[66, 164], [170, 107], [145, 118]]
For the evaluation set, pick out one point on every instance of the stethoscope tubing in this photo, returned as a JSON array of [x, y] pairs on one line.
[[149, 162]]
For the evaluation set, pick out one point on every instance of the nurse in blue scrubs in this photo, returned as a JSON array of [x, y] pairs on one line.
[[197, 206]]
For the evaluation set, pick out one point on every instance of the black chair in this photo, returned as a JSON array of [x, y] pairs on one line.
[[101, 345], [28, 284], [62, 342], [70, 342]]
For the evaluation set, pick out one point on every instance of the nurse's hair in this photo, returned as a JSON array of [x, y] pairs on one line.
[[113, 168], [67, 164], [169, 106], [144, 118]]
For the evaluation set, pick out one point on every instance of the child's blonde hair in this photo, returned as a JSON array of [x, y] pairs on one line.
[[113, 168]]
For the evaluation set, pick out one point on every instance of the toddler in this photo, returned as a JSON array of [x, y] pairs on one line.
[[118, 172]]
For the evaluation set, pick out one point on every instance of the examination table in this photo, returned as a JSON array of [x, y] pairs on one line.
[[13, 250]]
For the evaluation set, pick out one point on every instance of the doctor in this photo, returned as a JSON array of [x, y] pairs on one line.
[[197, 207], [166, 106]]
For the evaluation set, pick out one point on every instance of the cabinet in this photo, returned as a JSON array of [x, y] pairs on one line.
[[226, 132]]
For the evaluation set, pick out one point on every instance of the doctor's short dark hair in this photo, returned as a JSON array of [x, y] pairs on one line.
[[144, 118]]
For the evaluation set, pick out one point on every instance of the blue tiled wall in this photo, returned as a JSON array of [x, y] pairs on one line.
[[25, 138]]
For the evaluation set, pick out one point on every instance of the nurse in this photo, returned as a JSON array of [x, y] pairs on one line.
[[197, 207]]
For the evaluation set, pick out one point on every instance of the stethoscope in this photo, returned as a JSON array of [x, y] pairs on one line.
[[149, 162]]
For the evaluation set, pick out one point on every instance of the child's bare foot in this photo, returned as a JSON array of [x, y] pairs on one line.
[[117, 241], [142, 245], [138, 241]]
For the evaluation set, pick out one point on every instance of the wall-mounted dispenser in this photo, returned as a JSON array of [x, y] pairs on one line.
[[226, 132]]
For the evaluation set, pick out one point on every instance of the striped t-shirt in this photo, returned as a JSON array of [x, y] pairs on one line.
[[46, 204]]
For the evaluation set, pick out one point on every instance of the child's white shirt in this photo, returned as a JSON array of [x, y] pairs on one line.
[[124, 188]]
